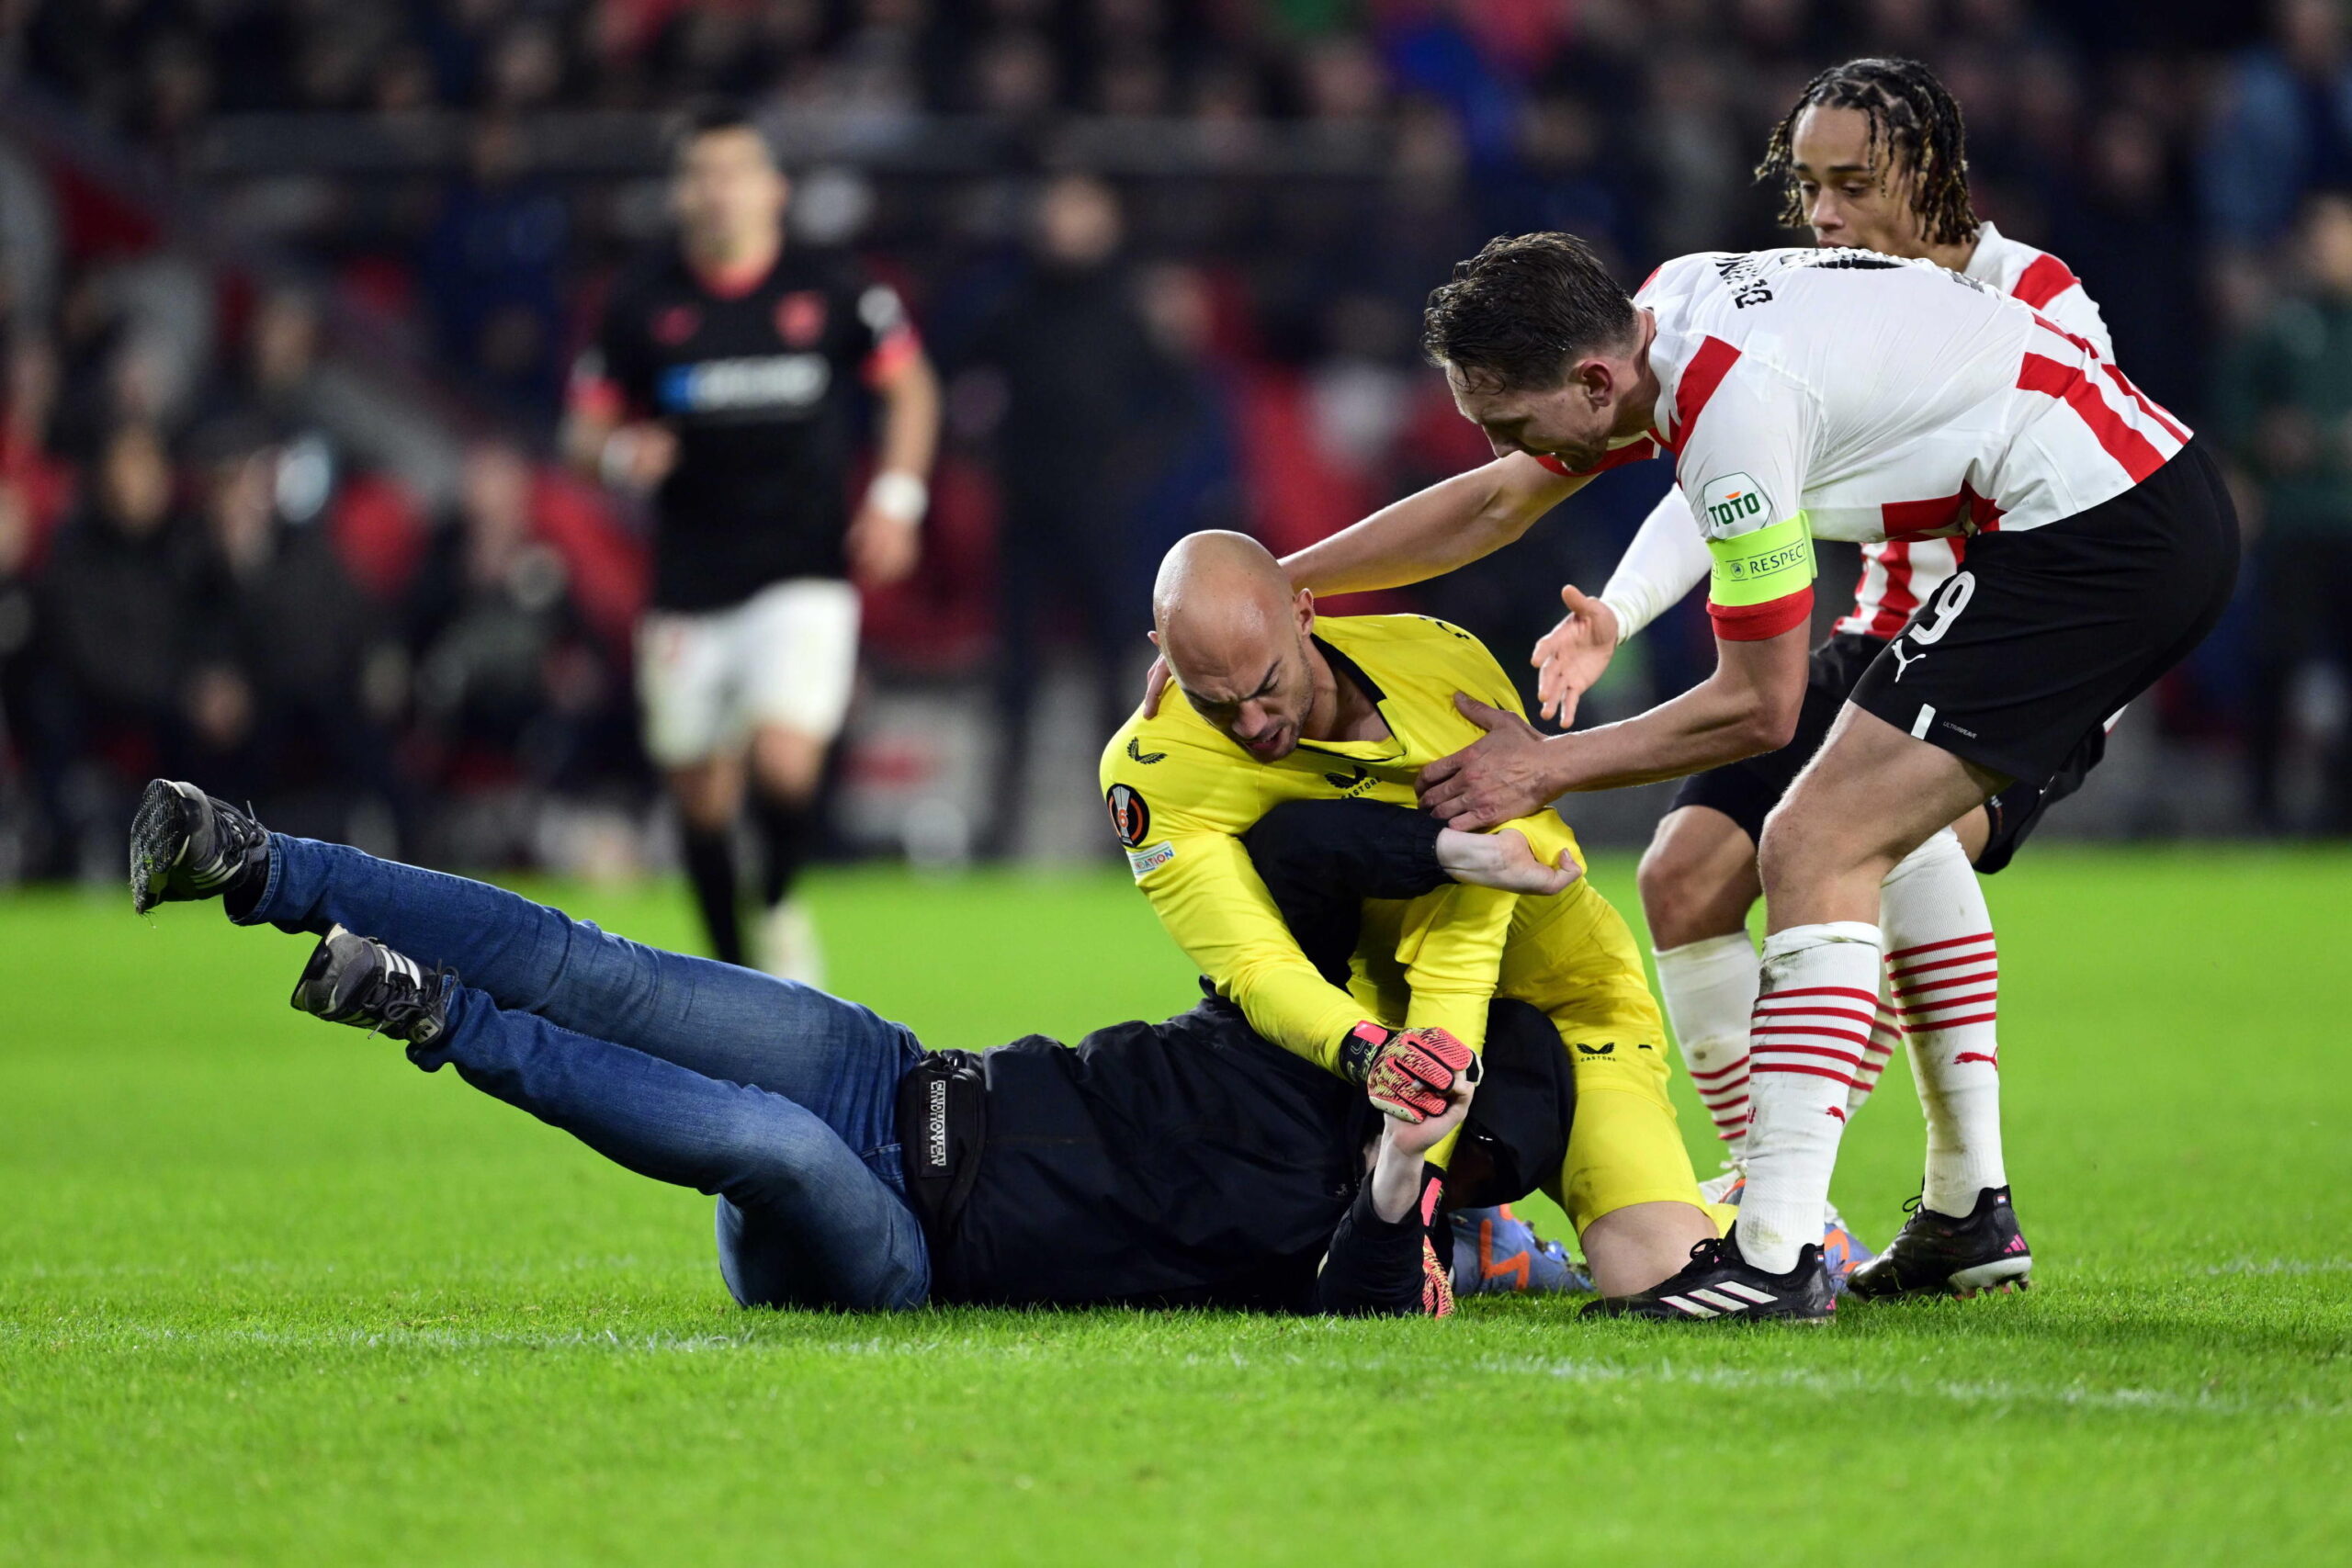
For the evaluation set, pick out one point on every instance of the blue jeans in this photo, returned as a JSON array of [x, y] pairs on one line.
[[777, 1098]]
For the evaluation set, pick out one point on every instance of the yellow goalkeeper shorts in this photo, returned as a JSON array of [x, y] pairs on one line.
[[1581, 967]]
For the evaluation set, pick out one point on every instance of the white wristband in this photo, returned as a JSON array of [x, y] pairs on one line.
[[901, 497], [1627, 623]]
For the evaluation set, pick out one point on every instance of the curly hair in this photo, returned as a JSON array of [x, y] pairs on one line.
[[1515, 313], [1912, 118]]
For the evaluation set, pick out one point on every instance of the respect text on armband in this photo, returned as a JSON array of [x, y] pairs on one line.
[[1756, 566]]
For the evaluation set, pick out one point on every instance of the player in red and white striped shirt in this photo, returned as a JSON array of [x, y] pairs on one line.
[[1852, 150], [1852, 396], [1847, 395]]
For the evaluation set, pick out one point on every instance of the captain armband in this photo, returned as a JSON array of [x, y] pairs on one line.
[[1761, 565]]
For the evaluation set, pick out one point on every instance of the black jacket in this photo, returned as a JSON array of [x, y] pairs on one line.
[[1181, 1163]]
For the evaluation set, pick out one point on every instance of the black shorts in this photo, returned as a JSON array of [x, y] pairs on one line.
[[1745, 791], [2022, 655], [2017, 811]]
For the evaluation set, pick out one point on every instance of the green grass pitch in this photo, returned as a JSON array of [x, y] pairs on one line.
[[270, 1295]]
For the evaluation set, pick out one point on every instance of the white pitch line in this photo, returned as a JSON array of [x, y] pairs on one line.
[[1836, 1383], [2282, 1265]]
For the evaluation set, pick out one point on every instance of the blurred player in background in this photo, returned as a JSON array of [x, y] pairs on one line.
[[724, 380], [1873, 156]]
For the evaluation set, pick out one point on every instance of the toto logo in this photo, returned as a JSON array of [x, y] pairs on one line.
[[1733, 507]]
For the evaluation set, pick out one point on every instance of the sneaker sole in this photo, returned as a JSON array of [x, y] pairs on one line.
[[1742, 1318], [2006, 1274], [1748, 1320], [2002, 1274], [162, 815]]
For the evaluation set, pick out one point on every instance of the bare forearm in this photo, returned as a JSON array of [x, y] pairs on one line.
[[909, 433], [584, 435], [1431, 532], [1395, 1182], [1706, 726]]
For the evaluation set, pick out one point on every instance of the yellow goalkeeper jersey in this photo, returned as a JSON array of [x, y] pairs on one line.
[[1181, 794]]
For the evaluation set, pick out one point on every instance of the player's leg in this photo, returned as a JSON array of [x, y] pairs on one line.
[[1941, 960], [1944, 916], [799, 654], [683, 680], [1975, 831], [1626, 1182], [786, 767], [1863, 804], [709, 795], [1942, 965], [812, 1209], [1873, 796], [1697, 881]]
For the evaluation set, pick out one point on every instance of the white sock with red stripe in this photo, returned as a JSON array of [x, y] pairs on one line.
[[1886, 1034], [1709, 988], [1811, 1025], [1943, 967]]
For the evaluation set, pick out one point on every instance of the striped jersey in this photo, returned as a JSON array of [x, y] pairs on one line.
[[1884, 400], [1898, 575]]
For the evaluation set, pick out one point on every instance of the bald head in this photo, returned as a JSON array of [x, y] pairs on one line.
[[1220, 598], [1234, 634]]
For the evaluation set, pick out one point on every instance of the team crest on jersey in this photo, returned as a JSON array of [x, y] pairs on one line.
[[1732, 505], [801, 317], [1130, 818], [674, 324]]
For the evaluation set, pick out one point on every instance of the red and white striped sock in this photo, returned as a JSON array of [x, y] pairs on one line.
[[1945, 971], [1709, 988], [1811, 1025], [1886, 1034]]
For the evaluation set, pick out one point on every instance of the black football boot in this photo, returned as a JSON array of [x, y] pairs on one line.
[[1719, 1285], [1937, 1255]]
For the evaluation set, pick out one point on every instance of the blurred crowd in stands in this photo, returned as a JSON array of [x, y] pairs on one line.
[[290, 288]]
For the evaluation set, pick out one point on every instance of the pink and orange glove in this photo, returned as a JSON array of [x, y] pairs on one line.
[[1405, 1073]]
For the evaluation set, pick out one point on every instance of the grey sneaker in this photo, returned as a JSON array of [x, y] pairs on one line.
[[186, 844], [359, 981]]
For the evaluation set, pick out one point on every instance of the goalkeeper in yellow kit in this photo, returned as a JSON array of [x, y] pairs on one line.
[[1278, 706]]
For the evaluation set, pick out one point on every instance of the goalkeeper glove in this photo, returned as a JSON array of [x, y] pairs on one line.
[[1408, 1073]]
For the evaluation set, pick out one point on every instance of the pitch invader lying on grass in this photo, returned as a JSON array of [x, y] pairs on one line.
[[1183, 1162], [1874, 156]]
